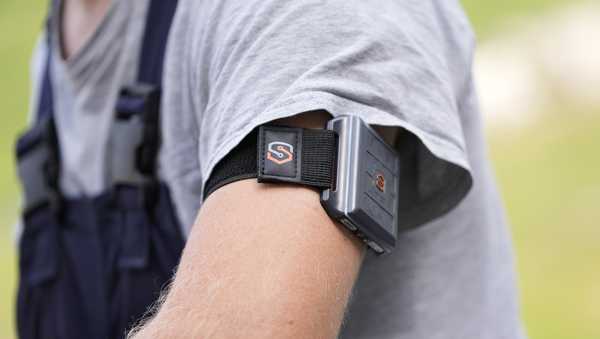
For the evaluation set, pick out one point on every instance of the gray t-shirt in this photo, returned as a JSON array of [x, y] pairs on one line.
[[233, 65]]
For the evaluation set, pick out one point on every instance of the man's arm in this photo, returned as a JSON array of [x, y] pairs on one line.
[[262, 261]]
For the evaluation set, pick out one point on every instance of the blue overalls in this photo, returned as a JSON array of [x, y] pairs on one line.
[[91, 267]]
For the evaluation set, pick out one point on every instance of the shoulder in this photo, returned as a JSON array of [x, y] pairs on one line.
[[221, 23]]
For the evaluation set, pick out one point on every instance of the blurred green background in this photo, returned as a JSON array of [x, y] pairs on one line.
[[549, 174]]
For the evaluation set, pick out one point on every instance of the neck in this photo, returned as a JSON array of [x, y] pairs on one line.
[[79, 21]]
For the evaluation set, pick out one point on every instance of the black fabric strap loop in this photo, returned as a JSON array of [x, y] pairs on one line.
[[280, 154]]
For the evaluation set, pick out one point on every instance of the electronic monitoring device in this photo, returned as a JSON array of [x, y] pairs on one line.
[[364, 197], [356, 171]]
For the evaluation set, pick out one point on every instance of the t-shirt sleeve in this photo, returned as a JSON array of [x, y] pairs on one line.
[[387, 62]]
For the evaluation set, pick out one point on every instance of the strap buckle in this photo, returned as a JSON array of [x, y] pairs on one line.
[[135, 135], [38, 165]]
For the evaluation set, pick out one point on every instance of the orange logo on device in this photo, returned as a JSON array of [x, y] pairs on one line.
[[380, 182], [280, 152]]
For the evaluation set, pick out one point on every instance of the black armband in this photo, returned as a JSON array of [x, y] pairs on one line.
[[356, 171]]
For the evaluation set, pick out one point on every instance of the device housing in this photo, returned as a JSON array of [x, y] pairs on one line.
[[364, 197]]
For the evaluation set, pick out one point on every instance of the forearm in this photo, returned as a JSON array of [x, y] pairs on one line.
[[263, 261]]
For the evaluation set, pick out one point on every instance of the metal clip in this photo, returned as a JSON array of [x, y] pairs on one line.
[[135, 137], [39, 166]]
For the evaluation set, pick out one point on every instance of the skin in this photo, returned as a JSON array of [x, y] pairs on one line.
[[286, 273], [262, 260], [80, 19]]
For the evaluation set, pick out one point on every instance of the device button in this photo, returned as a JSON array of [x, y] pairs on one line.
[[348, 224]]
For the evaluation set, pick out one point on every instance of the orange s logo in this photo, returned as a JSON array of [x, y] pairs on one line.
[[380, 182], [280, 152]]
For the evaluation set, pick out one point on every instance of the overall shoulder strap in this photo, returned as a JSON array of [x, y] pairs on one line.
[[45, 108], [137, 121], [158, 24]]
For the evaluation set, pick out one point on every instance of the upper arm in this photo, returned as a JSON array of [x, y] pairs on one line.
[[272, 246], [265, 261]]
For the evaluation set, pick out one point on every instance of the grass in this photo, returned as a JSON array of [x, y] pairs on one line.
[[549, 175], [492, 16], [550, 178], [20, 23]]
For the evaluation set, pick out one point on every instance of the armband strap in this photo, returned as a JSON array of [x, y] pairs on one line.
[[280, 154], [365, 196]]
